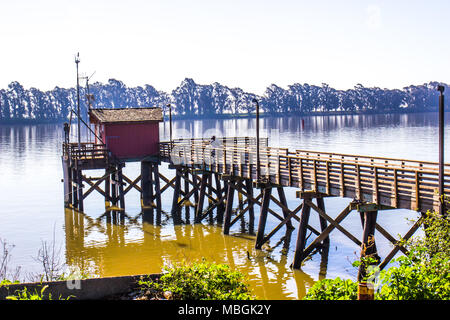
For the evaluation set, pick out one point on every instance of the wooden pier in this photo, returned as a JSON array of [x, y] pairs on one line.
[[209, 174]]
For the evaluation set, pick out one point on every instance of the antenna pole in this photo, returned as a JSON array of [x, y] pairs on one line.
[[77, 61], [88, 96]]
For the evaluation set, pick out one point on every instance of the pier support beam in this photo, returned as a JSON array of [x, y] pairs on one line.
[[176, 210], [251, 211], [150, 191], [202, 195], [368, 248], [244, 189], [120, 184], [301, 235], [157, 193], [79, 174], [267, 191], [74, 179], [229, 207], [146, 194], [219, 195]]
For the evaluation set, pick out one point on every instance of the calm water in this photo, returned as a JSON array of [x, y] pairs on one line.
[[32, 211]]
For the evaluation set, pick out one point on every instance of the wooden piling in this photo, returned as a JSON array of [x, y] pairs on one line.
[[176, 216], [186, 203], [368, 248], [74, 188], [157, 193], [146, 187], [263, 216], [107, 189], [229, 207], [251, 211], [120, 187], [301, 235], [283, 201], [219, 194], [323, 221], [114, 187], [201, 199]]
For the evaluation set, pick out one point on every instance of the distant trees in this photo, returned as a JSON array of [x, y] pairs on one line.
[[192, 99]]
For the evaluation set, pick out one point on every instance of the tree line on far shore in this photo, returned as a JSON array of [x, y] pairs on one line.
[[191, 99]]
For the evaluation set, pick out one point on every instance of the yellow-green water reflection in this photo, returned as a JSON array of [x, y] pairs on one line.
[[111, 246]]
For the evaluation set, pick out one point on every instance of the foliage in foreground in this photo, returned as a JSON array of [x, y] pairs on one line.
[[333, 289], [200, 281], [29, 295], [25, 294], [424, 274]]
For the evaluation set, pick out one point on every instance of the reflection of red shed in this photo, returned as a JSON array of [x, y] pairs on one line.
[[129, 133]]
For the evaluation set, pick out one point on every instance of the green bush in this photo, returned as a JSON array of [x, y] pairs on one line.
[[333, 289], [200, 281], [424, 274]]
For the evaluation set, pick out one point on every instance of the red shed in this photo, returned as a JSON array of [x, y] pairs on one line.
[[129, 133]]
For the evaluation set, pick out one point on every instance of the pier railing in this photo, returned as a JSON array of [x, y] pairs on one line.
[[92, 155], [86, 151], [395, 183]]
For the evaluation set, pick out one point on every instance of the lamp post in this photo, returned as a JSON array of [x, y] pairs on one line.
[[441, 149], [170, 123], [258, 173]]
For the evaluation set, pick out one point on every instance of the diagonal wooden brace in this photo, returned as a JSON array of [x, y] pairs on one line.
[[301, 255], [397, 246], [333, 222]]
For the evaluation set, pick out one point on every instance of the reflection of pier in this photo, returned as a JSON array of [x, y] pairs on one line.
[[101, 243], [222, 180]]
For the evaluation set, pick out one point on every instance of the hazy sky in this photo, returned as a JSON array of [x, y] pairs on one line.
[[248, 44]]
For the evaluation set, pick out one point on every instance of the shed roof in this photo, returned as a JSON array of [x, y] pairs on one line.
[[126, 115]]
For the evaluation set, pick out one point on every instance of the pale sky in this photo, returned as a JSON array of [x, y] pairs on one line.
[[248, 44]]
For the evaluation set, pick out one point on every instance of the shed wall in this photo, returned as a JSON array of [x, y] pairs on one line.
[[129, 141]]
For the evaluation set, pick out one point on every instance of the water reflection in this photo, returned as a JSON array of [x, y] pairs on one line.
[[114, 244]]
